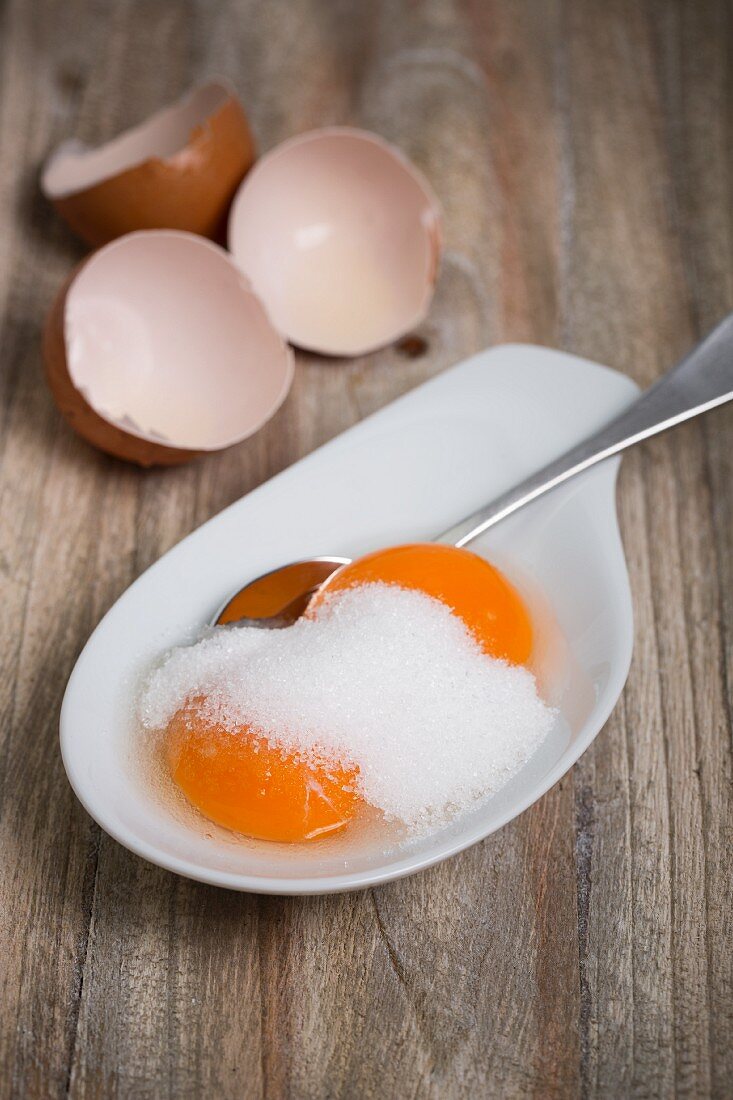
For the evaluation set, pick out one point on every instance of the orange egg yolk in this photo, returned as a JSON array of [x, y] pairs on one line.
[[474, 590], [237, 779]]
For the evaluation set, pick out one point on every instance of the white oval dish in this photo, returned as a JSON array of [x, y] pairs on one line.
[[404, 474]]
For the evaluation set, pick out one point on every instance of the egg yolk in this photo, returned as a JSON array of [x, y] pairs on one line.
[[237, 779], [474, 589]]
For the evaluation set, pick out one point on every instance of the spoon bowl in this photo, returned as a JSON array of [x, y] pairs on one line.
[[277, 598]]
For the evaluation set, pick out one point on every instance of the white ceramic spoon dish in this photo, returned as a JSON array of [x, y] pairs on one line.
[[415, 467]]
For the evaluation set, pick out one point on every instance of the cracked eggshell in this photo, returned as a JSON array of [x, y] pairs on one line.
[[157, 350], [340, 236], [177, 170]]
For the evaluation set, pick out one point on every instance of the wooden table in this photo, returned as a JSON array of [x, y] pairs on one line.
[[583, 155]]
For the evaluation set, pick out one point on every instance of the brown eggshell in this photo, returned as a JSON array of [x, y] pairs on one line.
[[340, 236], [177, 170], [79, 413], [156, 350]]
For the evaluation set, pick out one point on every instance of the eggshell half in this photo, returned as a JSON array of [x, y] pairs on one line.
[[178, 170], [157, 350], [340, 236]]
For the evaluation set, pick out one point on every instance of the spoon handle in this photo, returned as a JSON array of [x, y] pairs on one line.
[[702, 380]]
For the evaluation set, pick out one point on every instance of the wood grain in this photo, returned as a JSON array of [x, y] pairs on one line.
[[583, 155]]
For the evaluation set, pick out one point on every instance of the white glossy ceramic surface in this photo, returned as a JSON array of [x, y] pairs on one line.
[[404, 474]]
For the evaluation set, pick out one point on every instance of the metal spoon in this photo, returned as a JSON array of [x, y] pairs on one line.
[[702, 380]]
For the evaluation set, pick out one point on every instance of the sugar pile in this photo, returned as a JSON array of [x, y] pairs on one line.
[[386, 678]]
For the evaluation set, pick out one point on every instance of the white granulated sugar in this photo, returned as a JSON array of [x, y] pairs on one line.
[[386, 678]]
